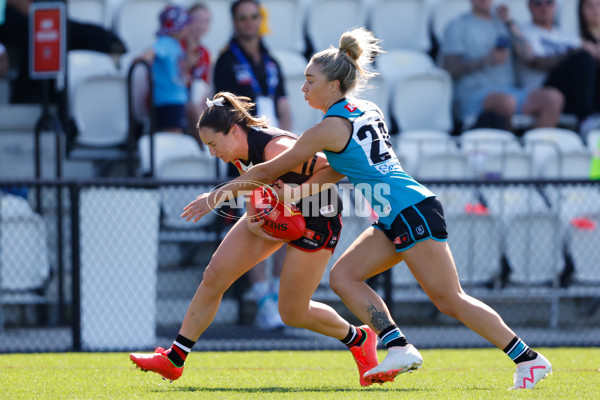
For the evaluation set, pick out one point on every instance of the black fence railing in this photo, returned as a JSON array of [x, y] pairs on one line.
[[109, 265]]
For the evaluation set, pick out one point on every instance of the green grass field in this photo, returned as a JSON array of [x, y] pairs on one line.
[[446, 374]]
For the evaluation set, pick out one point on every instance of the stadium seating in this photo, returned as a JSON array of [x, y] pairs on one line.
[[178, 157], [292, 66], [568, 165], [326, 20], [136, 23], [543, 143], [394, 65], [578, 208], [286, 25], [100, 112], [24, 260], [423, 100], [83, 64], [473, 235], [479, 144], [583, 241], [401, 24], [593, 140], [453, 166], [170, 146], [509, 165], [90, 11], [414, 146], [220, 30], [377, 92], [529, 232]]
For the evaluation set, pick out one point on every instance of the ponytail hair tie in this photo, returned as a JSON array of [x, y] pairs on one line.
[[216, 102]]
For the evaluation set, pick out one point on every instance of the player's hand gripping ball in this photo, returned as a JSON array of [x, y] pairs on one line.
[[282, 221]]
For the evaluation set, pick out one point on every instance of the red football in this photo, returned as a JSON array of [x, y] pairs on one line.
[[283, 221]]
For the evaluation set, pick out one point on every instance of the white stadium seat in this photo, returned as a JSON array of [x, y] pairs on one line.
[[401, 24], [136, 23], [423, 100], [328, 19], [285, 21]]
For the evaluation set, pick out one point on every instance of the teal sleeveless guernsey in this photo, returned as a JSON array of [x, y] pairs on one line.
[[370, 163]]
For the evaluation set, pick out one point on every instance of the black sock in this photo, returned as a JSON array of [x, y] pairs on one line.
[[518, 351], [355, 337], [392, 337], [180, 349]]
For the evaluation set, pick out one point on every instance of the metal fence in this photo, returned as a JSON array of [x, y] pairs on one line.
[[110, 265]]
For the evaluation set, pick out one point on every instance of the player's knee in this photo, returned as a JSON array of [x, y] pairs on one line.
[[212, 280], [338, 281], [447, 305], [292, 316]]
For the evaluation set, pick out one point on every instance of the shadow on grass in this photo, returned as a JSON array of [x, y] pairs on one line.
[[287, 389]]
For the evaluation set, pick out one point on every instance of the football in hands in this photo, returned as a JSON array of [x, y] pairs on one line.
[[282, 221]]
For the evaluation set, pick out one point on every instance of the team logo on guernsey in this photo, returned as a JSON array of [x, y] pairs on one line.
[[420, 230], [350, 107], [328, 209], [242, 166]]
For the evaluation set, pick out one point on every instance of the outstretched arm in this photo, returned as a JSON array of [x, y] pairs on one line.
[[326, 135]]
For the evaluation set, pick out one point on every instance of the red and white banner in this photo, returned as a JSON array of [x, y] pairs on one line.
[[47, 45]]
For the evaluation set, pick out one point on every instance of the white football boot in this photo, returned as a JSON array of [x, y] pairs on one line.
[[398, 361], [531, 372]]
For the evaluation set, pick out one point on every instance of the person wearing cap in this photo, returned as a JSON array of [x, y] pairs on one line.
[[170, 70]]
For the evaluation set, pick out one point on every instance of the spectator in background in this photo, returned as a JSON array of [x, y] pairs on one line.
[[549, 57], [14, 33], [170, 70], [475, 51], [589, 27], [245, 68], [199, 85]]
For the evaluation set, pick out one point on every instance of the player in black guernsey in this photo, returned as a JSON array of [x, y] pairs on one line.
[[321, 210], [231, 133]]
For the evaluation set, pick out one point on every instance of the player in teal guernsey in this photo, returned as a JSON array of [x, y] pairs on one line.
[[411, 226], [369, 159]]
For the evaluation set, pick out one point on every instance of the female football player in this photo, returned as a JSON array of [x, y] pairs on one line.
[[411, 224], [231, 133]]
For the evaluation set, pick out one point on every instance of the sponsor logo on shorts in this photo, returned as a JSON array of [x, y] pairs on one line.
[[420, 230], [401, 239], [310, 242]]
